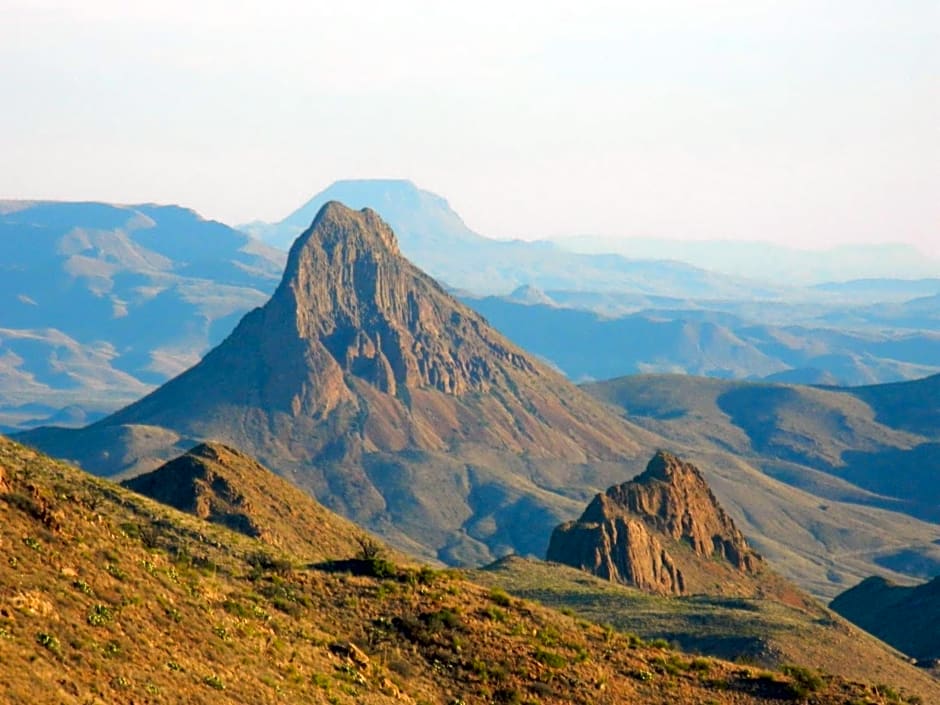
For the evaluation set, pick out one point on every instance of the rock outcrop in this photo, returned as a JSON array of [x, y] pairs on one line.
[[662, 532], [223, 485]]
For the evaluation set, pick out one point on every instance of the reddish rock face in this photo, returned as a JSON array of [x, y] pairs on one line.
[[642, 532]]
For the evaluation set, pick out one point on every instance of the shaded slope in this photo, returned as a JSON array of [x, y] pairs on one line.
[[905, 616], [880, 439], [117, 599], [367, 384]]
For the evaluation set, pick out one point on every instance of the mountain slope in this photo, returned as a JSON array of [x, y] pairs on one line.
[[118, 599], [750, 630], [224, 486], [368, 385]]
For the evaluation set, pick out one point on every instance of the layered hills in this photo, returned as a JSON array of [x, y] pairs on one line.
[[365, 383], [663, 532], [100, 302], [112, 597], [601, 336]]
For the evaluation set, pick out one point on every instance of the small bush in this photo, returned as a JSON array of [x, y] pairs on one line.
[[804, 681], [99, 616], [48, 641], [214, 681], [500, 597], [550, 659]]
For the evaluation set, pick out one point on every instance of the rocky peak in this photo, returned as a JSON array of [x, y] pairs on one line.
[[643, 532], [348, 288]]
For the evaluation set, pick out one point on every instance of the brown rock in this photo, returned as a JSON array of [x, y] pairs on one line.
[[4, 481], [640, 532]]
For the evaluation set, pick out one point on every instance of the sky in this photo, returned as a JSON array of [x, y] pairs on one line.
[[810, 123]]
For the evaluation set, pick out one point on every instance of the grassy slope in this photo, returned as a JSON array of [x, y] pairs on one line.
[[754, 630], [109, 597]]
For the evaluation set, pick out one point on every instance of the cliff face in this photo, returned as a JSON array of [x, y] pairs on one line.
[[663, 531]]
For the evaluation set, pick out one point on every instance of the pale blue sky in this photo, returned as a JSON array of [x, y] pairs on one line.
[[810, 123]]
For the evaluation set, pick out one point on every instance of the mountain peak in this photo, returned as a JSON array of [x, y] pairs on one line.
[[360, 379], [663, 531]]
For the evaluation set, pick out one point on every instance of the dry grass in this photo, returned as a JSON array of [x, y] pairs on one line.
[[149, 605]]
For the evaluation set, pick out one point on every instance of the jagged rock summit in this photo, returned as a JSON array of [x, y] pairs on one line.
[[367, 384], [663, 531], [223, 485]]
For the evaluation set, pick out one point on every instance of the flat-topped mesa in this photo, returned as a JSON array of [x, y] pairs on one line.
[[382, 320], [635, 533]]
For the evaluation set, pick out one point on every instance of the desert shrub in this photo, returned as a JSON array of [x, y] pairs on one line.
[[804, 681], [500, 597], [214, 681], [550, 658], [99, 616]]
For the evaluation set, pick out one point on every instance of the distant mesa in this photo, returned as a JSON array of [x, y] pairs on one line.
[[663, 532]]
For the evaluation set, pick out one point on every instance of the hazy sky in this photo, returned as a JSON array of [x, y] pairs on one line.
[[804, 122]]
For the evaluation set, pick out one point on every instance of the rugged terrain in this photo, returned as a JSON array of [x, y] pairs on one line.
[[855, 460], [109, 597], [365, 383]]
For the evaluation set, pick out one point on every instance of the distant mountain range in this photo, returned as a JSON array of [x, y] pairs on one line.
[[108, 301], [589, 345], [99, 302], [435, 238], [774, 263]]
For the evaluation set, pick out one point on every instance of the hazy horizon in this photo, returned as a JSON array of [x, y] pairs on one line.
[[802, 125]]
